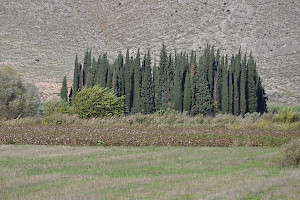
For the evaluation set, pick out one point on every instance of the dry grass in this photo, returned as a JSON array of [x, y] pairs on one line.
[[60, 172]]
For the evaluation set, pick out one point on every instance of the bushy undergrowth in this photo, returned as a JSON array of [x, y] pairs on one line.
[[290, 153]]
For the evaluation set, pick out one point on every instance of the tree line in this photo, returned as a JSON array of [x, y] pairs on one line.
[[195, 84]]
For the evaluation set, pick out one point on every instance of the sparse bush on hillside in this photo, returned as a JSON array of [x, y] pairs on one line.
[[290, 153], [17, 98], [98, 102]]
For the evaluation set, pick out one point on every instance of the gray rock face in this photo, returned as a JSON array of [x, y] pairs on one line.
[[53, 31]]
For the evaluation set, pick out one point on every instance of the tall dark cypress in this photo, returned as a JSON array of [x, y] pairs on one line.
[[93, 73], [261, 98], [225, 94], [81, 76], [110, 71], [87, 68], [118, 77], [230, 85], [178, 83], [217, 81], [211, 69], [64, 90], [76, 77], [252, 86], [236, 84], [128, 81], [136, 108], [203, 98], [243, 103], [147, 87], [162, 87], [187, 98]]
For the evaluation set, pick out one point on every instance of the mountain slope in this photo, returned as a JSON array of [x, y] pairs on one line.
[[42, 38]]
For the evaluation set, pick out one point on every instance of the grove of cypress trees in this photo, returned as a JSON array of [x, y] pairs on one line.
[[64, 90]]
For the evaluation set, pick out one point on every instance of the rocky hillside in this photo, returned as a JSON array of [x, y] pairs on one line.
[[41, 38]]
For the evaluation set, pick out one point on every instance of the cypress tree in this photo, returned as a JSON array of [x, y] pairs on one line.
[[109, 76], [93, 73], [243, 86], [76, 77], [252, 86], [128, 81], [64, 90], [230, 85], [136, 108], [162, 79], [178, 84], [118, 76], [87, 68], [147, 87], [262, 99], [236, 84], [225, 94], [70, 95], [217, 81], [211, 69], [187, 99], [80, 85], [103, 69], [203, 98]]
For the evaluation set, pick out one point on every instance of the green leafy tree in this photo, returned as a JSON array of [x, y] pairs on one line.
[[64, 90], [17, 98], [98, 102]]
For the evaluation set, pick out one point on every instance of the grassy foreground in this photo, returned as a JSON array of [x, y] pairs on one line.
[[66, 172]]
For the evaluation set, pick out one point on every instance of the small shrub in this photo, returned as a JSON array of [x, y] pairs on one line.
[[56, 105], [286, 115], [253, 117], [290, 153]]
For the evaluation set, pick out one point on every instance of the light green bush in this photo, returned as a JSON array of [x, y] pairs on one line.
[[287, 115], [290, 153], [17, 98], [56, 105], [98, 102]]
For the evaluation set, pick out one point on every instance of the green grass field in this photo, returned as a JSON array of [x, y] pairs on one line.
[[66, 172]]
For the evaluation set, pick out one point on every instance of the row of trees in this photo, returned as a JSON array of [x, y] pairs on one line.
[[206, 84]]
